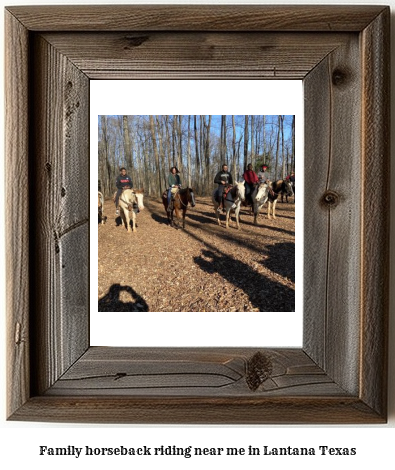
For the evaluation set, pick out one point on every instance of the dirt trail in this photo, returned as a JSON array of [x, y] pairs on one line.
[[202, 268]]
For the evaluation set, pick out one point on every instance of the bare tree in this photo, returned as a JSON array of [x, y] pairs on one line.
[[189, 153], [252, 141], [245, 142], [197, 158], [206, 135], [150, 145], [277, 150], [156, 154], [234, 152]]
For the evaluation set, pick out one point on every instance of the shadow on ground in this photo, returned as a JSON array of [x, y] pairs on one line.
[[112, 302], [265, 294]]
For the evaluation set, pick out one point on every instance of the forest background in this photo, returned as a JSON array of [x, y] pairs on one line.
[[197, 145]]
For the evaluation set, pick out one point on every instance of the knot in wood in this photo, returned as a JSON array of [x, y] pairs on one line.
[[330, 198], [135, 41], [340, 77], [259, 369]]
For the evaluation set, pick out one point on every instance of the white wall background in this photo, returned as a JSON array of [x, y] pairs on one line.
[[19, 442]]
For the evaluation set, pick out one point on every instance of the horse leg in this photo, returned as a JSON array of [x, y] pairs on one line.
[[269, 208], [216, 205], [274, 208], [183, 217], [133, 221], [237, 217], [127, 218], [255, 213], [227, 218], [172, 218]]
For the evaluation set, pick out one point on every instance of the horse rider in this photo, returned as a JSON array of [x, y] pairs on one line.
[[262, 175], [174, 181], [250, 181], [223, 178], [123, 181]]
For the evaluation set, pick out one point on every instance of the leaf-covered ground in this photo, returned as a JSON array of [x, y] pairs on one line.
[[203, 267]]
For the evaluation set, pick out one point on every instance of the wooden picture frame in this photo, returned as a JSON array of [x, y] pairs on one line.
[[340, 373]]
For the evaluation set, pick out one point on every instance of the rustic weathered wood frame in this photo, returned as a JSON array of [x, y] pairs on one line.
[[340, 374]]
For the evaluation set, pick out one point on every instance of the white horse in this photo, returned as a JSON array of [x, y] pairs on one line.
[[102, 217], [126, 202], [139, 196], [233, 202], [259, 198]]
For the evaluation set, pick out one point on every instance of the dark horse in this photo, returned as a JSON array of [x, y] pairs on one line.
[[180, 203]]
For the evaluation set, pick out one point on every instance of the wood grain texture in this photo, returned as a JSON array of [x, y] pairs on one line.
[[17, 227], [196, 18], [60, 248], [191, 372], [333, 162], [196, 55], [339, 376], [376, 211], [198, 410]]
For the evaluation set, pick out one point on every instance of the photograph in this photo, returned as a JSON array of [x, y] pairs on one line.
[[183, 117], [196, 213]]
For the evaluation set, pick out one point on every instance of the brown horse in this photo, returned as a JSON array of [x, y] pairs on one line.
[[180, 203]]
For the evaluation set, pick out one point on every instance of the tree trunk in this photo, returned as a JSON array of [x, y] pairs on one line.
[[252, 142], [223, 140], [159, 126], [282, 145], [179, 154], [234, 148], [197, 168], [245, 143], [189, 153], [293, 145], [207, 152], [156, 155], [277, 150]]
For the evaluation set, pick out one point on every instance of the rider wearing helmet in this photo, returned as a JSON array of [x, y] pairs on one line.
[[262, 175]]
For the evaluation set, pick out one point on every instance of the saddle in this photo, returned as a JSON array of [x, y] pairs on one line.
[[226, 191], [174, 191]]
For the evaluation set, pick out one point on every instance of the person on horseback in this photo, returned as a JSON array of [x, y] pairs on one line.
[[250, 180], [223, 178], [262, 175], [174, 181], [123, 181]]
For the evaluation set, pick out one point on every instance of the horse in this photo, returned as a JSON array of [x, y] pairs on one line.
[[128, 205], [286, 189], [278, 187], [233, 200], [102, 217], [139, 196], [260, 196], [180, 203]]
